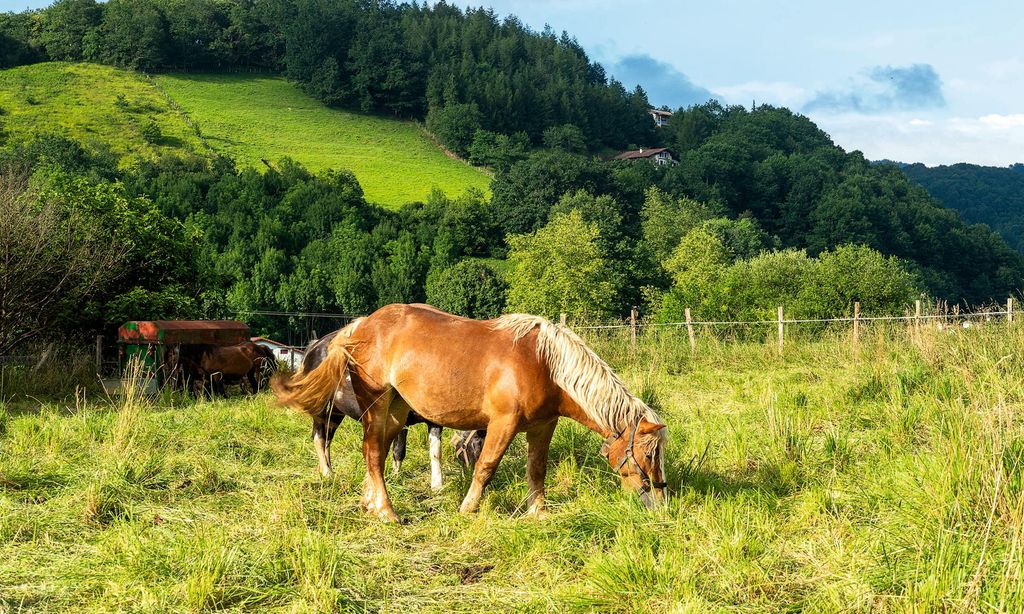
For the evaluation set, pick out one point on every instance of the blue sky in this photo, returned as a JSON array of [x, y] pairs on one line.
[[935, 82]]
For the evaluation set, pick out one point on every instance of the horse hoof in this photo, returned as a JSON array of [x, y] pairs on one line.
[[538, 514], [396, 465]]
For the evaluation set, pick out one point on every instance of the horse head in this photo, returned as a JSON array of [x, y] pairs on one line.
[[637, 454]]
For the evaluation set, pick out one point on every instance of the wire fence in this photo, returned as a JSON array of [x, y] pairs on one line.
[[846, 319], [303, 327]]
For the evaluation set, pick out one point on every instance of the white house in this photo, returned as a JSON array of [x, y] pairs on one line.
[[660, 117], [292, 357]]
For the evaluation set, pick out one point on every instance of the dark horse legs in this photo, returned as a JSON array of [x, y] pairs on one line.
[[468, 445]]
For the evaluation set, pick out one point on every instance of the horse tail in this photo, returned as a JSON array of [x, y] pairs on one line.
[[311, 392]]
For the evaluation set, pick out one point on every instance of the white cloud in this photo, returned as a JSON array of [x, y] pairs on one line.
[[994, 140], [1003, 122]]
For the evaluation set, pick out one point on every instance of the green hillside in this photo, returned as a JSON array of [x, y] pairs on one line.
[[100, 106], [252, 117], [246, 117]]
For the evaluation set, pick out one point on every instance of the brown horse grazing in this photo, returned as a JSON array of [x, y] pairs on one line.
[[517, 373], [218, 365]]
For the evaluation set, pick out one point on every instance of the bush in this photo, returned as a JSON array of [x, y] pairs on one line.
[[151, 132], [469, 288], [752, 289], [855, 273]]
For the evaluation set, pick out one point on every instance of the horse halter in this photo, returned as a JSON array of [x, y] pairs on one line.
[[645, 479]]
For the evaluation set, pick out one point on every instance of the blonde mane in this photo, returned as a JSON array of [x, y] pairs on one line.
[[576, 369]]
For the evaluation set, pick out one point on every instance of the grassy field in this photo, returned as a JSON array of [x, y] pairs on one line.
[[81, 101], [884, 478], [252, 117]]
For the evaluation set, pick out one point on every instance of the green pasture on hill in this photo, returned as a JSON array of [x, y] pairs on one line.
[[253, 117], [887, 477], [80, 101]]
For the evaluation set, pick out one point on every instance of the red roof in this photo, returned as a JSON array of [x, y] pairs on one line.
[[214, 332], [641, 153]]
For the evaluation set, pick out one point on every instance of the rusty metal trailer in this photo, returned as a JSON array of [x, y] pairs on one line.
[[149, 341]]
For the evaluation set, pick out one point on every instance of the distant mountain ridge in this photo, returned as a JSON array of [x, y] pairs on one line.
[[982, 194]]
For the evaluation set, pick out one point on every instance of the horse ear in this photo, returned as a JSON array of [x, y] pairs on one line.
[[649, 428]]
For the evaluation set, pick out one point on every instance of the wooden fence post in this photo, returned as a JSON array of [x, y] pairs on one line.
[[781, 333], [1009, 310], [917, 317], [632, 328], [561, 319], [99, 353], [856, 322], [689, 331]]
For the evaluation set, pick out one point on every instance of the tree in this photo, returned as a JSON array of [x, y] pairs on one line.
[[469, 288], [498, 151], [17, 46], [398, 274], [49, 257], [561, 268], [666, 220], [65, 25], [566, 137], [133, 34], [78, 257], [454, 125], [523, 196]]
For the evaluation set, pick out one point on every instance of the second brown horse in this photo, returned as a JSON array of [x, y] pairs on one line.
[[517, 373]]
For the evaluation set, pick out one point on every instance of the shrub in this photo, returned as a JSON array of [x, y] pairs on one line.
[[151, 132]]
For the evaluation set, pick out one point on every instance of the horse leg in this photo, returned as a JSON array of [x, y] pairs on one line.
[[499, 436], [379, 428], [538, 442], [436, 480], [398, 449], [332, 428], [321, 444]]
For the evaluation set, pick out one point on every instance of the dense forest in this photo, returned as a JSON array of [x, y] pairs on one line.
[[982, 194], [462, 71], [762, 207]]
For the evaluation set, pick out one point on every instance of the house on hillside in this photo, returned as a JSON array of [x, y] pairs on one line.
[[657, 155], [660, 117], [283, 353]]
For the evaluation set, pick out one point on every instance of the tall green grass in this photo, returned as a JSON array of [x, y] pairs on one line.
[[883, 477], [257, 117]]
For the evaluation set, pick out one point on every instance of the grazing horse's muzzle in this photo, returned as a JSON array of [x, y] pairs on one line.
[[653, 497], [652, 493]]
